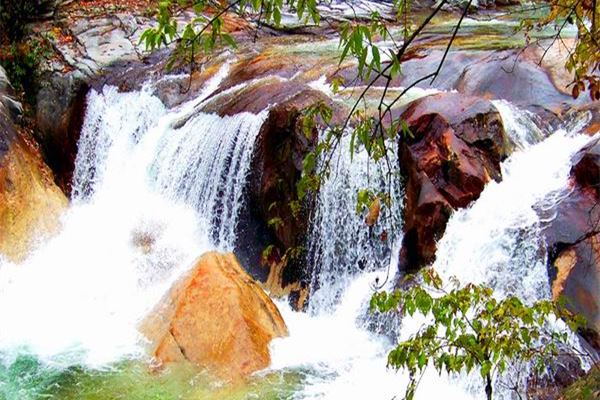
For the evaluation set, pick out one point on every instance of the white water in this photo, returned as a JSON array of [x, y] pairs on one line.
[[520, 125], [153, 190], [148, 185], [496, 241], [340, 244]]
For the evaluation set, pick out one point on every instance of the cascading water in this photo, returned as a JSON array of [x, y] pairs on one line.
[[153, 189], [199, 160], [340, 245], [496, 241]]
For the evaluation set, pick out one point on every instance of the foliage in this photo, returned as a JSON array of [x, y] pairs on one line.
[[20, 51], [584, 58], [206, 31], [470, 329], [586, 388], [14, 15]]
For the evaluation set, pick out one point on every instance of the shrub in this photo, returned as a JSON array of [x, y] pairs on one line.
[[14, 16]]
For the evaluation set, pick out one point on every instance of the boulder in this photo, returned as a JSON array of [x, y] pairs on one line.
[[517, 78], [573, 240], [30, 202], [585, 388], [276, 168], [456, 147], [60, 111], [562, 371], [216, 317]]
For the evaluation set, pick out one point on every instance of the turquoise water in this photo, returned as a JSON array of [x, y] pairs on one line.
[[28, 379]]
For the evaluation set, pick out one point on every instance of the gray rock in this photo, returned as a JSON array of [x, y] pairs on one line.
[[12, 106], [59, 116]]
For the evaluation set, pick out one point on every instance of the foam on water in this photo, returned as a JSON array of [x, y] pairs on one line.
[[153, 190], [496, 241], [340, 245]]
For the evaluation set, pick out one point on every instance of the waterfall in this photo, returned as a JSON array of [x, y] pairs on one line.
[[200, 160], [495, 241], [522, 127], [340, 244], [153, 189]]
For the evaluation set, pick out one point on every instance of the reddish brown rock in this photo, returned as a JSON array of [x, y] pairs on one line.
[[457, 145], [573, 240], [216, 317], [281, 145]]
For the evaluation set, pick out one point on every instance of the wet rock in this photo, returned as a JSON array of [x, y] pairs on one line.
[[561, 372], [276, 169], [60, 112], [270, 220], [586, 388], [30, 202], [457, 145], [218, 318], [14, 108], [573, 239], [518, 79]]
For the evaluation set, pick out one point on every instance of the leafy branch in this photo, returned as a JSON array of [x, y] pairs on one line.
[[469, 328]]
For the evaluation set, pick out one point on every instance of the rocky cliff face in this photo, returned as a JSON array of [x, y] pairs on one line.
[[30, 202], [573, 239]]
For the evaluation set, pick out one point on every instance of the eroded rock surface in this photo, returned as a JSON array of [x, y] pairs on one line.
[[573, 239], [216, 317], [30, 202], [457, 145]]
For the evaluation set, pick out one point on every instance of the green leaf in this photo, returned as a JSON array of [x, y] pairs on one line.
[[229, 40], [376, 57], [277, 16]]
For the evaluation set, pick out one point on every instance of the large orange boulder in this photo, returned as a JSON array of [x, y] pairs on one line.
[[216, 317]]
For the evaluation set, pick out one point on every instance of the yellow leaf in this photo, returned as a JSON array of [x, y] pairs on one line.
[[374, 210]]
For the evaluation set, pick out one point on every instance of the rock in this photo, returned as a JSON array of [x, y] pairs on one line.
[[276, 168], [107, 40], [561, 372], [60, 111], [30, 202], [573, 240], [216, 317], [520, 80], [457, 145], [586, 388], [14, 108]]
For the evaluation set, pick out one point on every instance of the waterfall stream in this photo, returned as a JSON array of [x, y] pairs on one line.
[[495, 241], [154, 188], [149, 184]]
